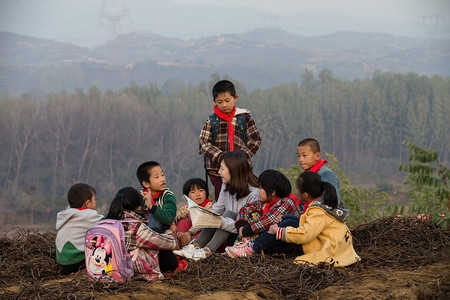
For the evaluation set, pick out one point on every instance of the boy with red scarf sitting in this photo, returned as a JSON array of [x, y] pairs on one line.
[[228, 129], [309, 158], [160, 202]]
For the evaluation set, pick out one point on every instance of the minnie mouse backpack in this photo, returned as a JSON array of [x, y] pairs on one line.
[[106, 256]]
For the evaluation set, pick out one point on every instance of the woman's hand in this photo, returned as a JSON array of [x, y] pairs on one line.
[[273, 229]]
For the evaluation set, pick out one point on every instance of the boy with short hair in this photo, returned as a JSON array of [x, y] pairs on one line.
[[160, 202], [72, 224], [228, 129], [309, 158]]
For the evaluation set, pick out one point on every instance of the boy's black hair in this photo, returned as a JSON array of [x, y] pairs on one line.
[[143, 171], [127, 198], [274, 181], [80, 193], [223, 86], [313, 144], [195, 182], [311, 183]]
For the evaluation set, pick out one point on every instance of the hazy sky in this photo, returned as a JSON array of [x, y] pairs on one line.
[[390, 10], [79, 21]]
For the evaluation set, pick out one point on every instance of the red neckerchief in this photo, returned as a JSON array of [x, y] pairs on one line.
[[156, 196], [307, 204], [205, 202], [318, 165], [81, 208], [153, 198], [227, 118], [269, 204]]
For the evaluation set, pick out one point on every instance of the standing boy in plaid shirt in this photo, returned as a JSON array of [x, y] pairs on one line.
[[228, 129]]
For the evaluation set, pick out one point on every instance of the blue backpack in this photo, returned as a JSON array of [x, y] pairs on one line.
[[106, 256]]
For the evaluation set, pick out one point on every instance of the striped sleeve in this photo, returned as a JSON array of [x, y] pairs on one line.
[[147, 238]]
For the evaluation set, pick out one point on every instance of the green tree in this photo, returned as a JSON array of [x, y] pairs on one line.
[[365, 204], [428, 183]]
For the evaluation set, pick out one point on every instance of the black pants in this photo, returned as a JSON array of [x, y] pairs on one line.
[[67, 269], [168, 262]]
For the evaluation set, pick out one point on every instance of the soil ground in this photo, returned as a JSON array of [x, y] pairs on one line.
[[401, 259]]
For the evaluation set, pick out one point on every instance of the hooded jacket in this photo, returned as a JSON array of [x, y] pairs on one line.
[[324, 235], [71, 226]]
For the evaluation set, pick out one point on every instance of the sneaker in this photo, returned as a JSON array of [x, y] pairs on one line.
[[195, 253], [239, 250], [178, 252]]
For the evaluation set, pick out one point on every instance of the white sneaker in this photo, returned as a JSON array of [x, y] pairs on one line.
[[194, 253], [178, 252]]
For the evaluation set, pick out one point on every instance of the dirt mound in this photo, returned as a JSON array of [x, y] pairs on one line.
[[401, 258]]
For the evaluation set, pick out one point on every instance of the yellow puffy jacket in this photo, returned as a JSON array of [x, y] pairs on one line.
[[323, 237]]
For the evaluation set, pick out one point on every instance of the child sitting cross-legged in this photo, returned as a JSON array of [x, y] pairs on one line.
[[152, 251], [321, 233], [197, 190], [256, 217]]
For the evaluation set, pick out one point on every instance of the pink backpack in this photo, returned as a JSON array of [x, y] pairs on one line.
[[107, 258]]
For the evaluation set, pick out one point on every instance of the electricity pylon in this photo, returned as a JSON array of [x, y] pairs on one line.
[[114, 25]]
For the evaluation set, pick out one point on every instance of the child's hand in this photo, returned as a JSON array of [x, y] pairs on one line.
[[184, 237], [173, 228], [171, 233], [273, 229], [148, 199], [240, 232]]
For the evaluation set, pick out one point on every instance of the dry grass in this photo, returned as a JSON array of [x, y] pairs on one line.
[[28, 266]]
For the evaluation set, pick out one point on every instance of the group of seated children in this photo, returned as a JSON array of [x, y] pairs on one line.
[[258, 214]]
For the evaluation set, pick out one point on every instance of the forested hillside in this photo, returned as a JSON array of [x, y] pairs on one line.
[[50, 141]]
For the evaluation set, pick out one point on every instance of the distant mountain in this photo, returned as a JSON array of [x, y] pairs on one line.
[[23, 50], [260, 58]]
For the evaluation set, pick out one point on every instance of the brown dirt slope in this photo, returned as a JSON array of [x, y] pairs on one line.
[[402, 258]]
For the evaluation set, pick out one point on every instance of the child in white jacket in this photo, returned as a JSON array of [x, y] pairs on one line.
[[72, 224]]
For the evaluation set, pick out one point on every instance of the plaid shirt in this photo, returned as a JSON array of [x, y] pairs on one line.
[[213, 150], [261, 223], [148, 242]]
